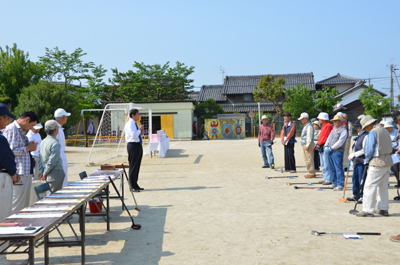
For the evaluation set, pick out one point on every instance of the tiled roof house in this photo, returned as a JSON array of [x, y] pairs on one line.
[[236, 94], [349, 89]]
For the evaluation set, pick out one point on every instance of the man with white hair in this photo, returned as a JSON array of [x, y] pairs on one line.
[[348, 141], [378, 149], [307, 142], [33, 135], [61, 116], [50, 162], [266, 137], [326, 129]]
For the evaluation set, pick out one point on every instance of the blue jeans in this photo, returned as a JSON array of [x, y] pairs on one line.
[[264, 155], [336, 168], [325, 166], [358, 170]]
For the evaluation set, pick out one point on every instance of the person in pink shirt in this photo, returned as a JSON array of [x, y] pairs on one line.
[[266, 137]]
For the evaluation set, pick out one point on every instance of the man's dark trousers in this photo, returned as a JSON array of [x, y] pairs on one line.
[[135, 153], [290, 161]]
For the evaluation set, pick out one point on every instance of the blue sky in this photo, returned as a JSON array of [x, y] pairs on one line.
[[354, 38]]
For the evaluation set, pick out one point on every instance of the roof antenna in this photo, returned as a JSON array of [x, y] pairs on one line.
[[222, 71]]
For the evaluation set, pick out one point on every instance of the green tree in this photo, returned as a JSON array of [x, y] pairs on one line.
[[151, 83], [208, 109], [299, 100], [16, 72], [325, 99], [89, 97], [44, 98], [59, 65], [271, 89], [374, 104]]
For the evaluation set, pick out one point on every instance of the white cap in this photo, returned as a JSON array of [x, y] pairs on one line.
[[340, 114], [38, 126], [387, 124], [382, 122], [61, 112], [303, 116], [323, 116], [264, 117]]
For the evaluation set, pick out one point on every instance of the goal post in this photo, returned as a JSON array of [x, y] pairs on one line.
[[110, 132]]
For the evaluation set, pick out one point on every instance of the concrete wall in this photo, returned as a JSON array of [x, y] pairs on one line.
[[183, 120]]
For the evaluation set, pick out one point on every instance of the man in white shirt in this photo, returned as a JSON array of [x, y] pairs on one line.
[[61, 116], [34, 136], [133, 136]]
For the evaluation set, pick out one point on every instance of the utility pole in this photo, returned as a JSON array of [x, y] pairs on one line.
[[391, 86]]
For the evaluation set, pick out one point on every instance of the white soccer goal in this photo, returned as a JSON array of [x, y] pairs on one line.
[[110, 132]]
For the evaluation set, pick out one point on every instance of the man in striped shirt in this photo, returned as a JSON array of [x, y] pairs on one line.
[[21, 147]]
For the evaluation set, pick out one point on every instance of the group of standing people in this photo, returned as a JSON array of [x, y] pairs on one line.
[[24, 157], [329, 147]]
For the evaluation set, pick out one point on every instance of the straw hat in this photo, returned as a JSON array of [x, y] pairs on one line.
[[337, 118], [367, 120]]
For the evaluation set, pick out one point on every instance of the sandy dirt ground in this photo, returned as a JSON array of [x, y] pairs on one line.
[[209, 202]]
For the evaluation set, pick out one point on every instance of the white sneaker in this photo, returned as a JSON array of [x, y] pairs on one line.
[[332, 186], [338, 189]]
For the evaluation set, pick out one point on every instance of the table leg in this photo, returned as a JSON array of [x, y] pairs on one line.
[[82, 228], [108, 207], [31, 253], [122, 181], [46, 249]]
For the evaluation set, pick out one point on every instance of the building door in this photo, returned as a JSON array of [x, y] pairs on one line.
[[167, 124]]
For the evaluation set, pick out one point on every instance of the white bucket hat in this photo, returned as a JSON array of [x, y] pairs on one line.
[[38, 126], [323, 116], [303, 116], [264, 117], [387, 124], [367, 120]]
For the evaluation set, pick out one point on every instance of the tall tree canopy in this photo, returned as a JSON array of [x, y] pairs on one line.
[[271, 89], [151, 83], [208, 109], [374, 104], [325, 99], [299, 100], [59, 65], [44, 98], [16, 72]]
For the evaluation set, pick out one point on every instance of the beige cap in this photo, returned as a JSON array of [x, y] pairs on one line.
[[387, 124], [50, 125], [303, 116]]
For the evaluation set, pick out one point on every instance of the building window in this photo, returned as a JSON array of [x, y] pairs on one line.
[[248, 97], [238, 98]]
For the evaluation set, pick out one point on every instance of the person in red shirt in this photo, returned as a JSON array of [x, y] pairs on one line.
[[266, 137], [326, 129]]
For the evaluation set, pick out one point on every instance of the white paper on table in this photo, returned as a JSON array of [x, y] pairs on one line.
[[92, 181], [83, 184], [35, 215], [46, 208], [67, 195], [352, 236], [75, 191], [395, 158], [18, 230], [81, 187], [56, 201]]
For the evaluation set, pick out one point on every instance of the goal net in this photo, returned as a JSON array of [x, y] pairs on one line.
[[109, 141]]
